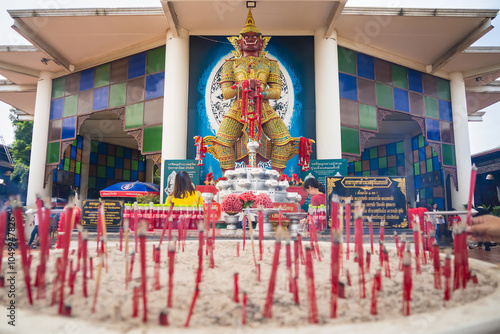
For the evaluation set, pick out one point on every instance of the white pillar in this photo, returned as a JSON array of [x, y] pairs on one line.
[[150, 169], [175, 105], [84, 171], [462, 145], [326, 70], [39, 140]]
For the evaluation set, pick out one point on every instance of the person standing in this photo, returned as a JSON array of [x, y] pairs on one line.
[[184, 192], [34, 232], [316, 190], [439, 221]]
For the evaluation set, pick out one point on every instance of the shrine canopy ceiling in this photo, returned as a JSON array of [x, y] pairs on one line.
[[63, 41]]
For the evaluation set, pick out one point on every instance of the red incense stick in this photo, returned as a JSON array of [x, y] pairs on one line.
[[268, 307], [447, 276], [370, 228], [311, 291], [375, 291], [142, 240], [236, 294], [135, 302], [163, 318], [387, 267], [348, 224], [200, 254], [121, 239], [244, 309], [335, 274], [296, 257], [195, 296], [238, 249], [407, 284], [244, 230], [171, 263], [296, 291], [260, 218], [437, 266], [18, 214], [85, 236], [289, 265], [301, 252], [157, 268], [91, 268], [368, 261]]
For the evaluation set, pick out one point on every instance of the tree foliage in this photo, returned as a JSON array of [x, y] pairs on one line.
[[21, 150]]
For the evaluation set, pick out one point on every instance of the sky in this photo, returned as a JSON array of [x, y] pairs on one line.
[[480, 133]]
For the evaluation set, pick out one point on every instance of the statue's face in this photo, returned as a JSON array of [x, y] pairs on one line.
[[250, 42]]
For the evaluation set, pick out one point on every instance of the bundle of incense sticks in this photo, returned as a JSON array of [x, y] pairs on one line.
[[68, 227], [335, 269], [417, 247], [334, 212], [171, 263], [348, 224], [437, 266], [244, 309], [142, 240], [18, 215], [375, 290], [407, 283], [387, 267], [358, 236], [311, 290], [85, 237], [268, 307], [43, 232], [236, 293], [370, 229], [447, 275], [157, 259]]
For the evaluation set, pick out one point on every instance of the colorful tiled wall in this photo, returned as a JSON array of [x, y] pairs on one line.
[[110, 164], [69, 169], [385, 160], [429, 179], [368, 84], [135, 83]]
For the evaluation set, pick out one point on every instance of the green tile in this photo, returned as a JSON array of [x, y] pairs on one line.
[[443, 87], [357, 166], [70, 105], [392, 171], [431, 107], [156, 60], [399, 76], [384, 96], [347, 61], [133, 116], [434, 153], [126, 174], [53, 152], [152, 139], [428, 163], [400, 147], [366, 173], [448, 155], [367, 117], [382, 162], [350, 140], [119, 151], [92, 182], [66, 164], [416, 168], [421, 141], [422, 193], [373, 153], [101, 171], [117, 95], [430, 201], [75, 142], [110, 161], [58, 87], [94, 146], [102, 75], [135, 165], [78, 167]]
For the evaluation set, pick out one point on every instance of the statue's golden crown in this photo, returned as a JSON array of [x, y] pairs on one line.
[[249, 27]]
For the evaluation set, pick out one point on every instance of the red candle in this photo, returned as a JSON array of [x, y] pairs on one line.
[[447, 275], [407, 284], [18, 214], [437, 266], [311, 292], [348, 224], [135, 302], [268, 307], [163, 318], [375, 290], [68, 227], [368, 260], [235, 294], [334, 212], [244, 309], [417, 247], [157, 257], [171, 263], [289, 265], [370, 228], [458, 266], [195, 296], [387, 267], [401, 251], [335, 274]]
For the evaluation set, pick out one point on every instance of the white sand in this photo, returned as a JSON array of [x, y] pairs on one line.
[[215, 307]]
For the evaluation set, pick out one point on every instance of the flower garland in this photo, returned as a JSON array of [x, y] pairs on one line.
[[263, 201], [305, 150], [231, 204]]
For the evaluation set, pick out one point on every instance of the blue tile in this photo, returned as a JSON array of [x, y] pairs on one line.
[[391, 149], [101, 98], [428, 192], [61, 164], [54, 175], [358, 174], [445, 111], [401, 101], [435, 163], [73, 152], [87, 79], [421, 154], [136, 65], [119, 163], [417, 181], [100, 183], [68, 128], [110, 172], [350, 167], [103, 148], [439, 202], [414, 143], [383, 172], [133, 175], [154, 85], [415, 80], [365, 66], [142, 166], [56, 108], [432, 127], [93, 158], [79, 142], [400, 159], [365, 155], [127, 153], [374, 164], [348, 87], [77, 180]]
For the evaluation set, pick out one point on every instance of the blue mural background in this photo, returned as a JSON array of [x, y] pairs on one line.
[[294, 53]]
